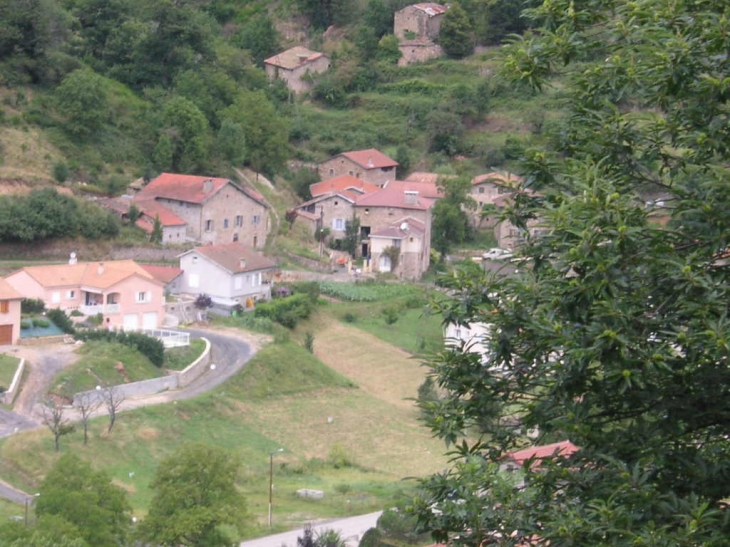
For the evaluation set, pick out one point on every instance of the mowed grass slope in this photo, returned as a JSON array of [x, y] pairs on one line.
[[281, 399]]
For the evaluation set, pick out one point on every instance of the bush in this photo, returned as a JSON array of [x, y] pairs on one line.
[[349, 317], [203, 302], [339, 457], [41, 323], [148, 346], [308, 342], [60, 171], [32, 306], [390, 315], [286, 311], [76, 313], [25, 324], [61, 320]]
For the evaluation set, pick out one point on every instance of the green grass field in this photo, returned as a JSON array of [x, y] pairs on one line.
[[179, 358], [99, 366], [8, 366]]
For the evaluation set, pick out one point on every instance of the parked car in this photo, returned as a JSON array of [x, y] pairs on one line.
[[497, 253]]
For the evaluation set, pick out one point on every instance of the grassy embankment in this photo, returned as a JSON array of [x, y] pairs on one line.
[[8, 366], [346, 427]]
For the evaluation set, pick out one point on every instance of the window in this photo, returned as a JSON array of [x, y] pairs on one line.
[[338, 224], [195, 260], [208, 225], [193, 281], [256, 219], [239, 220], [396, 243], [56, 297], [143, 297], [352, 173], [4, 306], [70, 295], [481, 189], [332, 172], [225, 223], [337, 202], [235, 237], [503, 190]]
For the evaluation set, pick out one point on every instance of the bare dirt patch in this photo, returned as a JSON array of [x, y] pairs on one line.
[[147, 434]]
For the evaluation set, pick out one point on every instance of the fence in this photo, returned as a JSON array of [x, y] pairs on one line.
[[144, 388], [169, 338]]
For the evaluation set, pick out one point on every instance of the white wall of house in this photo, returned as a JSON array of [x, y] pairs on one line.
[[203, 276]]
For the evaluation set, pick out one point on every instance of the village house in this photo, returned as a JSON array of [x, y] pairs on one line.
[[332, 203], [214, 210], [9, 314], [231, 274], [534, 457], [399, 248], [295, 66], [369, 165], [417, 28], [399, 202], [122, 291]]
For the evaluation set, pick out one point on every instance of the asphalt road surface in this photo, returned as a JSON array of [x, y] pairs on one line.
[[351, 529]]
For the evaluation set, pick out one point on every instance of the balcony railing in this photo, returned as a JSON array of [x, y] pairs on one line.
[[105, 309]]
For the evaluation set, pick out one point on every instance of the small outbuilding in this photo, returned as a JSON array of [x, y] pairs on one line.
[[295, 66]]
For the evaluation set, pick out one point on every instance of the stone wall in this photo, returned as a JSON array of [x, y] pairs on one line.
[[416, 21], [89, 251], [297, 78], [341, 165], [418, 52]]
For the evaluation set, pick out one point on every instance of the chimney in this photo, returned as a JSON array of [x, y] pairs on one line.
[[302, 58], [371, 163], [72, 258], [207, 186], [100, 269], [242, 263], [410, 197]]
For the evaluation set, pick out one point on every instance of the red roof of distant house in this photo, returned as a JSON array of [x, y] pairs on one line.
[[496, 178], [371, 159], [538, 453], [293, 57], [152, 209], [164, 274], [431, 8], [189, 188], [431, 178], [344, 182], [235, 257], [428, 190], [394, 195]]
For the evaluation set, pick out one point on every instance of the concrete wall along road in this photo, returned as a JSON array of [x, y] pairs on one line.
[[8, 397], [145, 388]]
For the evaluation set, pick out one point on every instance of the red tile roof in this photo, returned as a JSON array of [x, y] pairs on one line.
[[370, 159], [496, 178], [163, 274], [394, 195], [428, 190], [93, 274], [7, 292], [293, 57], [344, 182], [431, 8], [431, 178], [189, 188], [396, 231], [235, 257], [152, 209], [538, 453]]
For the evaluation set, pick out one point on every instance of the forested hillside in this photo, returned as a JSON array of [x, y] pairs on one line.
[[99, 91]]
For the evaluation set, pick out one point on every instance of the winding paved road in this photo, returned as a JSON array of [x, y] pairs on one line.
[[351, 530]]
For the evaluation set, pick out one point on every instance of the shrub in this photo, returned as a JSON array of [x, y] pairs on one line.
[[339, 457], [32, 305], [308, 342], [60, 171], [76, 313], [286, 311], [61, 320], [41, 323], [349, 317], [25, 324], [390, 315], [203, 302]]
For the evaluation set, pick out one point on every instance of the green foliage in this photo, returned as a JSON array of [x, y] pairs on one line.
[[351, 241], [179, 358], [156, 235], [450, 225], [47, 531], [82, 99], [390, 315], [455, 35], [388, 51], [259, 36], [308, 342], [615, 335], [286, 311], [231, 142], [60, 171], [339, 457], [367, 292], [323, 13], [40, 323], [46, 214], [26, 324], [349, 317], [32, 306], [186, 130], [150, 347], [445, 131], [301, 180], [61, 320], [195, 497], [133, 213], [85, 499]]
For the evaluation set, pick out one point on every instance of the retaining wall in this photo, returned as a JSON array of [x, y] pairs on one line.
[[12, 391], [144, 388]]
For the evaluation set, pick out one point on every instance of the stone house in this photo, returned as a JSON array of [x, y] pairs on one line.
[[231, 274], [368, 165], [417, 28], [122, 291], [215, 210], [295, 65], [406, 238], [332, 203], [9, 314], [486, 189], [398, 202], [419, 21]]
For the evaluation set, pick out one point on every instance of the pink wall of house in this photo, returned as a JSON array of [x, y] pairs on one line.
[[12, 317], [129, 303]]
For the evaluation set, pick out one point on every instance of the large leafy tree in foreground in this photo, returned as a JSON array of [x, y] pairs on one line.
[[616, 334]]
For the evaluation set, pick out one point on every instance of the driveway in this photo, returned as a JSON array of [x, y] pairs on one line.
[[351, 529]]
